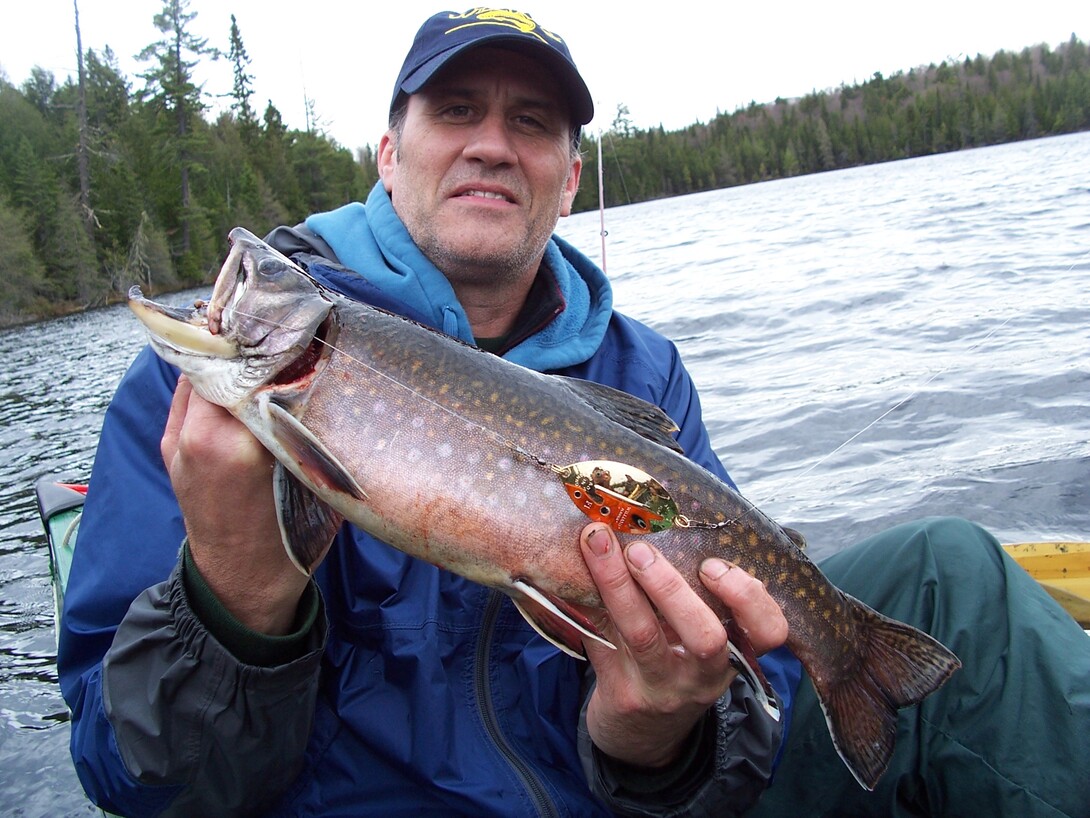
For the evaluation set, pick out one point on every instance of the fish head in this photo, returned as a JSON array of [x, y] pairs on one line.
[[265, 315]]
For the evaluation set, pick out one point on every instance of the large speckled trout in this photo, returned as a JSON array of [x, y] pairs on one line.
[[492, 470]]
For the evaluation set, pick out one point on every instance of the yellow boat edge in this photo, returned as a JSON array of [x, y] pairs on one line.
[[1063, 569]]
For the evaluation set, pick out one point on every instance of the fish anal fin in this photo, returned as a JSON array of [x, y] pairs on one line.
[[307, 523], [555, 620], [310, 455], [896, 666], [744, 659]]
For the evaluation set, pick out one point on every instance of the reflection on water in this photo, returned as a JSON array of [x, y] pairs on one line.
[[942, 297]]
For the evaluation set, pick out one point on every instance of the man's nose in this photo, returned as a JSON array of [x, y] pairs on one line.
[[490, 141]]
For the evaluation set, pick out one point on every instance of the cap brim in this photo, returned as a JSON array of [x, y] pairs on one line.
[[578, 95]]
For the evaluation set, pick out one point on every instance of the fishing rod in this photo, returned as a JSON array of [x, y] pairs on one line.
[[601, 201]]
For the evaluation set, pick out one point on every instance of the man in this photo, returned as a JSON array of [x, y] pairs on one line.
[[221, 681]]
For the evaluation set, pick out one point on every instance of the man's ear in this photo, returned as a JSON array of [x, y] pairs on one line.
[[387, 159], [571, 187]]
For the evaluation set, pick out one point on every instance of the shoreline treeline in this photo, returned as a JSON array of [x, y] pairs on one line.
[[107, 182]]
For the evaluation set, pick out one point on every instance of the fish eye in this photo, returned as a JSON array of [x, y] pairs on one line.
[[269, 267]]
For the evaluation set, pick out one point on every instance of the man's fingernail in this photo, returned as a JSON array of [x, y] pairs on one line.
[[598, 540], [714, 568], [640, 554]]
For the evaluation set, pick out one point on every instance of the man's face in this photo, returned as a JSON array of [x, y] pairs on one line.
[[483, 167]]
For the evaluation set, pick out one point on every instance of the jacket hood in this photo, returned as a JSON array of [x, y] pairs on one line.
[[372, 240]]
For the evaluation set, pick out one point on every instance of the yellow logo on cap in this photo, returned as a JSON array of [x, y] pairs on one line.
[[507, 18]]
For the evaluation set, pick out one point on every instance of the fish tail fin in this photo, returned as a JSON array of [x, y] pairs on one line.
[[896, 665]]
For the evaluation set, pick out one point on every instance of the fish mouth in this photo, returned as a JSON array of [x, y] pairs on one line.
[[183, 329]]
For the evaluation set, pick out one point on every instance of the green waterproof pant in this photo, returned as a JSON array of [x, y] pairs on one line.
[[1007, 735]]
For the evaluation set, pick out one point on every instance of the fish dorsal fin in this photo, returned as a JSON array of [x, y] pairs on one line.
[[641, 417], [307, 524]]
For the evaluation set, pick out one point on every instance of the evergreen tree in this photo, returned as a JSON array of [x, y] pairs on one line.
[[241, 92], [22, 275], [172, 93]]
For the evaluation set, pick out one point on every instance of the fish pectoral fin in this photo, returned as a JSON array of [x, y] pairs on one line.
[[556, 620], [307, 523], [313, 459], [641, 417]]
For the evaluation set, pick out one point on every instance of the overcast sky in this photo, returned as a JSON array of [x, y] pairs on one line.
[[673, 65]]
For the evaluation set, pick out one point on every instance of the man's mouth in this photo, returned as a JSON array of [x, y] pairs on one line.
[[485, 194]]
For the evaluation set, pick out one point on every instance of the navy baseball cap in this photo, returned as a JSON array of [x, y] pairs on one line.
[[448, 33]]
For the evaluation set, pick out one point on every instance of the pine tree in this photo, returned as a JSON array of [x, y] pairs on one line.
[[172, 92], [241, 91]]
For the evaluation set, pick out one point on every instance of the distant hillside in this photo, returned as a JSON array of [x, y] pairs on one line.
[[932, 109]]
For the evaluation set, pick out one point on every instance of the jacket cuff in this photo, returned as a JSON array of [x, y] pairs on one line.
[[245, 644], [726, 765]]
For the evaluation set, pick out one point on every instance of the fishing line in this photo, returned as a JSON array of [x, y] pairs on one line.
[[683, 521], [663, 511], [915, 393], [515, 448]]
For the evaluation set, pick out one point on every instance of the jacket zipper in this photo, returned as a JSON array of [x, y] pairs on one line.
[[530, 780]]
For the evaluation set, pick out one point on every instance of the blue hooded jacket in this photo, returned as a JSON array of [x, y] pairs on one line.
[[432, 694]]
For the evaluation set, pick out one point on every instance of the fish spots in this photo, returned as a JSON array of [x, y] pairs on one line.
[[444, 450]]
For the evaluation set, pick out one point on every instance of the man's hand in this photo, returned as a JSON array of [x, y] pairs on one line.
[[222, 477], [666, 673]]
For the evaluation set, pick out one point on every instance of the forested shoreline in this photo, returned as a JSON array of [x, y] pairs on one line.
[[108, 181]]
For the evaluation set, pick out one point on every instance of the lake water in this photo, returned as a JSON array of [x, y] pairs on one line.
[[871, 346]]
